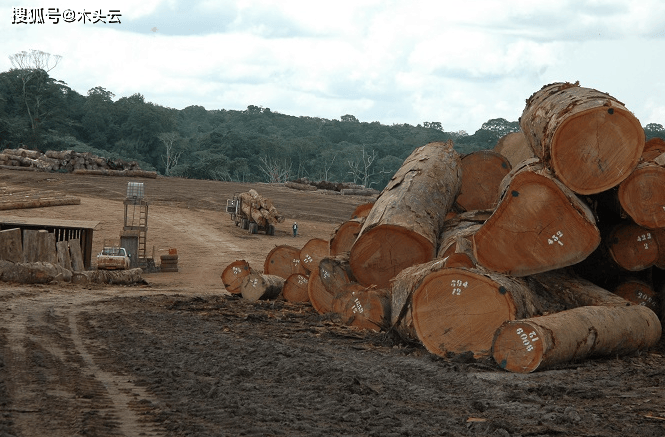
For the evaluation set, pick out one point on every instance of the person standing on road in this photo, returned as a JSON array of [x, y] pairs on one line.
[[295, 229]]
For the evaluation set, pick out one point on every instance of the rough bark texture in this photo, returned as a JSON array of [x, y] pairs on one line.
[[256, 286], [32, 272], [642, 194], [539, 225], [313, 252], [233, 275], [283, 260], [76, 255], [482, 173], [118, 277], [11, 245], [587, 138], [402, 228], [538, 343], [514, 147]]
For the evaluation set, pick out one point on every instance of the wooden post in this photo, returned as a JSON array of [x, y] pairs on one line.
[[402, 228], [589, 140], [11, 246]]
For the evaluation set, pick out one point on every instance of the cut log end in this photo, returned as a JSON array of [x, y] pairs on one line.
[[381, 253], [233, 275], [283, 260], [642, 195], [296, 288], [597, 149], [518, 346], [313, 252]]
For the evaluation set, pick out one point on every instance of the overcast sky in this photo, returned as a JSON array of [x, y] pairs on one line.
[[460, 63]]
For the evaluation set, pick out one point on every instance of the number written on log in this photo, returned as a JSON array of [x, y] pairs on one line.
[[254, 282], [645, 238], [527, 339], [645, 299], [236, 270], [302, 280], [357, 307], [457, 285], [296, 262], [556, 238], [325, 274], [308, 259]]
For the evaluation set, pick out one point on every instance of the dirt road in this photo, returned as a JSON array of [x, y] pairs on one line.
[[180, 356]]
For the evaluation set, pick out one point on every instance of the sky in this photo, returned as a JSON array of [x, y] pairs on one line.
[[460, 63]]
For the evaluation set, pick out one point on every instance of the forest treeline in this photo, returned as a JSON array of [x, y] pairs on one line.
[[40, 112]]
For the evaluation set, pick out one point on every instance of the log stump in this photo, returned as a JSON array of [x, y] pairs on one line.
[[539, 225], [402, 227], [589, 140]]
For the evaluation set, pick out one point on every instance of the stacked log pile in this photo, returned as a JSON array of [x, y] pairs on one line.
[[70, 161], [260, 209], [563, 264], [22, 197]]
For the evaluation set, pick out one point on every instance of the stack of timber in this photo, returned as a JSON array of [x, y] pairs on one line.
[[261, 210], [169, 261], [559, 259], [70, 161], [21, 197]]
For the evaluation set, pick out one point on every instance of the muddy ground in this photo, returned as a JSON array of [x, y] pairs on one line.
[[182, 357]]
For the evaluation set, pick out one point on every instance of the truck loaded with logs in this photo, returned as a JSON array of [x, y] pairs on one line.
[[253, 212], [546, 250]]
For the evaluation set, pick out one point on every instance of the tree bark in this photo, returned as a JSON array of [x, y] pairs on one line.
[[539, 225], [524, 346], [589, 140], [233, 275], [482, 173], [256, 286], [402, 228]]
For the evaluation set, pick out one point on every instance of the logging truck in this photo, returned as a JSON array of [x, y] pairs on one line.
[[254, 213]]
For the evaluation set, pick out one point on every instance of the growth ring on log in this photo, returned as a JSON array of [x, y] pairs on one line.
[[283, 260], [642, 195], [233, 275]]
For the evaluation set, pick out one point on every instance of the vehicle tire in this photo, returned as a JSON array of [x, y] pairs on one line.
[[169, 257], [253, 228], [245, 223], [271, 230]]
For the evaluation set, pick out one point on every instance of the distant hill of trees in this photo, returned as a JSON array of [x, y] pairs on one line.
[[40, 112]]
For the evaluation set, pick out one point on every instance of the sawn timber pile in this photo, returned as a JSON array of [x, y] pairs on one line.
[[527, 276]]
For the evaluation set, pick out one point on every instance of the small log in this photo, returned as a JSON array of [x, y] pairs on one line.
[[589, 140], [402, 228], [638, 292], [32, 273], [364, 308], [642, 193], [313, 252], [343, 236], [358, 192], [283, 260], [362, 211], [233, 275], [11, 245], [40, 203], [632, 247], [514, 147], [482, 173], [538, 343], [76, 255], [653, 148], [539, 225], [115, 277], [298, 186], [256, 286], [296, 288]]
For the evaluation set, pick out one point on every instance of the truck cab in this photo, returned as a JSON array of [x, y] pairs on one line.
[[113, 258]]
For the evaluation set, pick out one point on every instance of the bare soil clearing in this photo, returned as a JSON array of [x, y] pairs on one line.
[[181, 356]]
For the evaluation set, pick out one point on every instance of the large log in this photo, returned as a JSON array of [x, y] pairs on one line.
[[313, 252], [642, 193], [363, 307], [362, 211], [587, 138], [402, 228], [318, 295], [39, 246], [114, 277], [233, 275], [539, 225], [344, 235], [32, 272], [298, 186], [632, 247], [283, 260], [514, 147], [639, 292], [524, 346], [256, 286], [40, 203], [482, 173], [296, 288]]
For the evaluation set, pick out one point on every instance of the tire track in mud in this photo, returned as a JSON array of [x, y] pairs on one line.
[[121, 391]]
